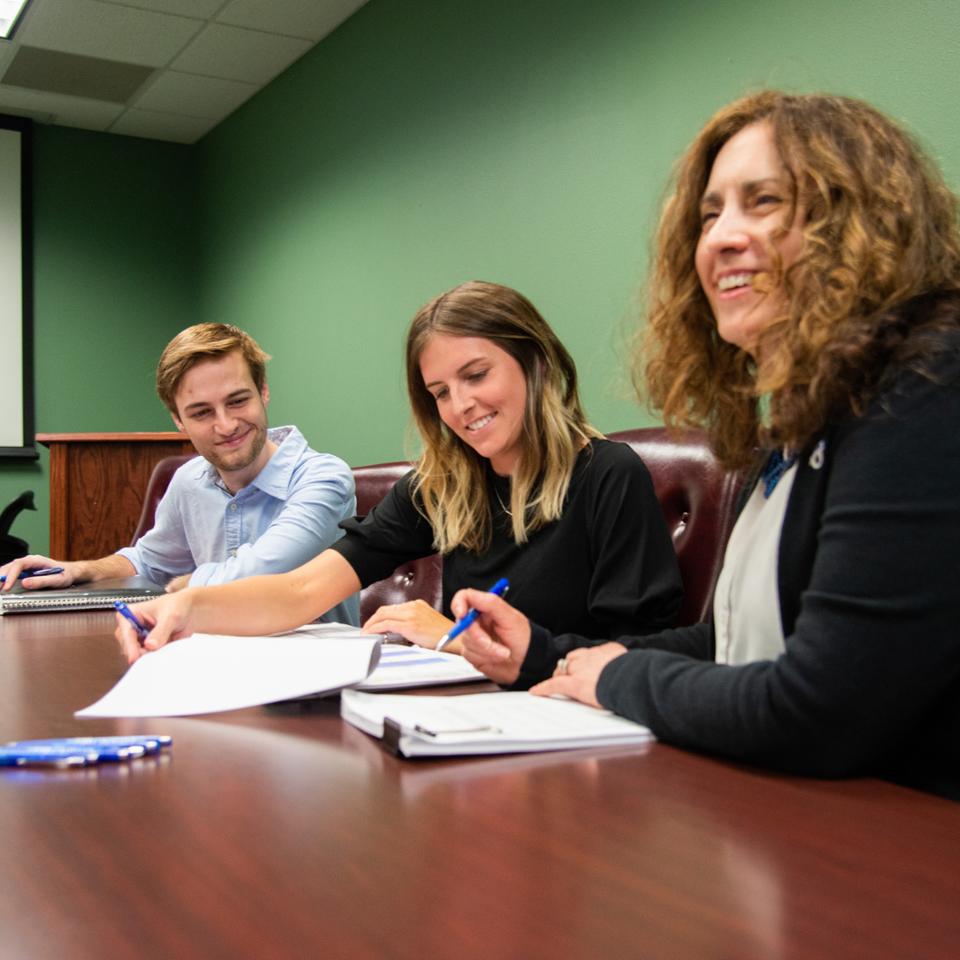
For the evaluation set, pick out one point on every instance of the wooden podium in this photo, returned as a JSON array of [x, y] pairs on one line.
[[97, 483]]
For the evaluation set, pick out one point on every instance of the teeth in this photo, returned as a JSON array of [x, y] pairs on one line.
[[482, 422], [734, 280]]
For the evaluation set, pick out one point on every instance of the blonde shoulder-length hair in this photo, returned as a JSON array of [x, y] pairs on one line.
[[450, 479], [879, 227]]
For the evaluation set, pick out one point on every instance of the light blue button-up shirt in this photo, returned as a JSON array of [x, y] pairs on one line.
[[287, 515]]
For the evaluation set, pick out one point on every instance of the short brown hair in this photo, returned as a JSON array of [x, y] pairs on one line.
[[880, 227], [204, 341]]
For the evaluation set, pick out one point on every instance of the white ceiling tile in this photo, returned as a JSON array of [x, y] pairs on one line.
[[68, 111], [194, 96], [162, 126], [184, 8], [236, 54], [108, 31], [312, 19]]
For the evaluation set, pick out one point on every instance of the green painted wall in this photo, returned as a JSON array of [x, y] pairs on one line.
[[115, 276], [426, 142]]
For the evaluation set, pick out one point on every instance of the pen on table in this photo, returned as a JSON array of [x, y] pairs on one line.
[[45, 572], [499, 588], [124, 611]]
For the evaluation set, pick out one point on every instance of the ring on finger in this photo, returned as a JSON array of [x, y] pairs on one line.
[[562, 667]]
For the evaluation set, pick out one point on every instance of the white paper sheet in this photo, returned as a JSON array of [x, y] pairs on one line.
[[402, 666], [209, 673]]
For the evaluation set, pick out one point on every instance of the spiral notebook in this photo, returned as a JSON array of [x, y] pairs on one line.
[[84, 597]]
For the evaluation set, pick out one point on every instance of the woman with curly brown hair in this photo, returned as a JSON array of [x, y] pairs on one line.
[[805, 298]]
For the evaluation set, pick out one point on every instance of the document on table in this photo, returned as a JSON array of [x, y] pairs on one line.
[[402, 666], [479, 723], [209, 673]]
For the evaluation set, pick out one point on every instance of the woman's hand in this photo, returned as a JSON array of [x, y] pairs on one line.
[[497, 643], [167, 618], [577, 673], [415, 621]]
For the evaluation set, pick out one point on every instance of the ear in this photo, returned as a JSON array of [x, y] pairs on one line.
[[178, 423], [265, 393]]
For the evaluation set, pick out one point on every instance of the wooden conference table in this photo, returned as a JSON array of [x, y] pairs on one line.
[[283, 832]]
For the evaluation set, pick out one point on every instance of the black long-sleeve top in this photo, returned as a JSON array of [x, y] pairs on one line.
[[605, 568]]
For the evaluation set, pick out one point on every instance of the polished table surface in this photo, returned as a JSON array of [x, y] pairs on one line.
[[283, 832]]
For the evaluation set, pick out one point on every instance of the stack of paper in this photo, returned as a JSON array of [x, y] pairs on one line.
[[485, 723], [206, 673]]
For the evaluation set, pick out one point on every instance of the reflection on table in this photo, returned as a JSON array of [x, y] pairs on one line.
[[282, 832]]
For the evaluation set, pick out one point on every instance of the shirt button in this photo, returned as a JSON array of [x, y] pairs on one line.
[[233, 553], [233, 506]]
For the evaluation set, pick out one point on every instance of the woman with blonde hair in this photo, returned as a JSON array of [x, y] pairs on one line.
[[805, 298], [513, 482]]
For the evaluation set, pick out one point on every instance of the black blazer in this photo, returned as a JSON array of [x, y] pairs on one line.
[[869, 682]]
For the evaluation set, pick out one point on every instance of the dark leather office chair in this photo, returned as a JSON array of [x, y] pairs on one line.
[[418, 580], [698, 498], [156, 487]]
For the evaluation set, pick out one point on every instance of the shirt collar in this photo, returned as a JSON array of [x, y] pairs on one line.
[[274, 478]]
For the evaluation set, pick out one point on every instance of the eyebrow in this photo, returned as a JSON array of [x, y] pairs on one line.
[[749, 186], [469, 363], [246, 391]]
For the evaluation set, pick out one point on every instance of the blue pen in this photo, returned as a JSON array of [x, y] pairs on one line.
[[45, 572], [66, 757], [124, 611], [64, 753], [147, 743], [499, 588]]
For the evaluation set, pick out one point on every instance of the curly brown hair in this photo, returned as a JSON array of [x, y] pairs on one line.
[[880, 227]]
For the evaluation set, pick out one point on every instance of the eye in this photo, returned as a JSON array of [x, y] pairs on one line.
[[441, 394], [477, 376], [706, 218], [237, 401], [766, 199], [199, 415]]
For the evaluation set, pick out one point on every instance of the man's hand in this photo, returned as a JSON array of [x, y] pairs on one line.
[[415, 621], [576, 675], [178, 583], [34, 561], [497, 643]]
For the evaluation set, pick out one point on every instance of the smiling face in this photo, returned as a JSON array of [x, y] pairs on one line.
[[481, 394], [224, 415], [744, 211]]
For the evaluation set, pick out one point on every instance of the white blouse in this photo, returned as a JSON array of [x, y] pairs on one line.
[[746, 604]]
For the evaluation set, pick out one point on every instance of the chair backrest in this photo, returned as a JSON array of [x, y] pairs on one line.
[[156, 487], [418, 580], [698, 498]]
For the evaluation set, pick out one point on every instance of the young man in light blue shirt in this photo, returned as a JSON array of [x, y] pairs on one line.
[[255, 501]]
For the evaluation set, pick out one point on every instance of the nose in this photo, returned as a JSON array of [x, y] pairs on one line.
[[729, 231], [224, 422], [462, 399]]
